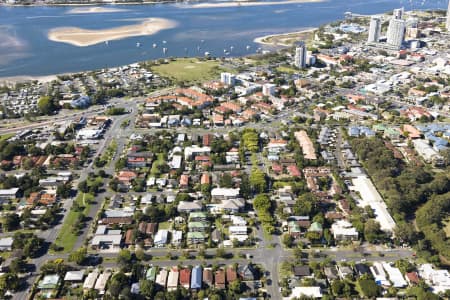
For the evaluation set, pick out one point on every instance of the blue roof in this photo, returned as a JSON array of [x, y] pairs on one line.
[[196, 277], [353, 131], [440, 148], [440, 142], [81, 102]]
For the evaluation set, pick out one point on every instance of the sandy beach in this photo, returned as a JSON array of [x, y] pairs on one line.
[[86, 37], [283, 39], [94, 10], [26, 78], [248, 3]]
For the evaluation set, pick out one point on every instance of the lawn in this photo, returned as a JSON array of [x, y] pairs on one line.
[[288, 70], [189, 70], [159, 161], [164, 225], [6, 136], [66, 238]]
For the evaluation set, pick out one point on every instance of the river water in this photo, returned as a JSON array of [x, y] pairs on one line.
[[26, 50]]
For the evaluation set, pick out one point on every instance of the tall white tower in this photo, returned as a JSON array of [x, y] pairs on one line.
[[374, 30], [398, 13], [396, 32], [300, 55]]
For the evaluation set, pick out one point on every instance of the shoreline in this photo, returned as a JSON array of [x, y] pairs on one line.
[[263, 39], [190, 4], [240, 3], [25, 78], [80, 37], [94, 10], [90, 4]]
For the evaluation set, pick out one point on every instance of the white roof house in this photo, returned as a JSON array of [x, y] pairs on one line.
[[6, 244], [238, 230], [224, 193], [74, 276], [161, 278], [439, 280], [119, 213], [395, 276], [111, 240], [161, 238], [177, 236], [189, 206], [343, 230], [89, 282], [378, 273], [6, 194], [308, 291], [176, 162], [238, 220], [100, 284], [172, 281], [195, 150]]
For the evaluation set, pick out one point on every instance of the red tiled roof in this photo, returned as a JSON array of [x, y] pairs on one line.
[[185, 276]]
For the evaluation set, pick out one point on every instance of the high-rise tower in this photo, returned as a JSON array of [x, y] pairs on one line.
[[300, 55], [374, 30], [396, 32]]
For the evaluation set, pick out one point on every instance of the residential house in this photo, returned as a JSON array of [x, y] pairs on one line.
[[238, 232], [172, 280], [161, 278], [224, 193], [102, 280], [198, 226], [105, 239], [198, 217], [185, 278], [196, 278], [196, 237], [49, 285], [344, 271], [6, 244], [208, 277], [331, 273], [219, 279], [90, 280], [301, 271], [344, 231], [161, 238], [247, 272], [231, 274], [232, 206], [189, 206], [74, 276]]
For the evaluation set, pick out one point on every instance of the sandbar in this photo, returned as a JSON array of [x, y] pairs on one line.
[[87, 37], [284, 39], [248, 3], [95, 10]]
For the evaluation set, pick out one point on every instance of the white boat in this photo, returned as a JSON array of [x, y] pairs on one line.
[[154, 45], [248, 47], [138, 44], [207, 53]]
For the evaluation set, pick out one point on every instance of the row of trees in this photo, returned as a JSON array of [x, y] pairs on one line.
[[409, 192], [264, 208]]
